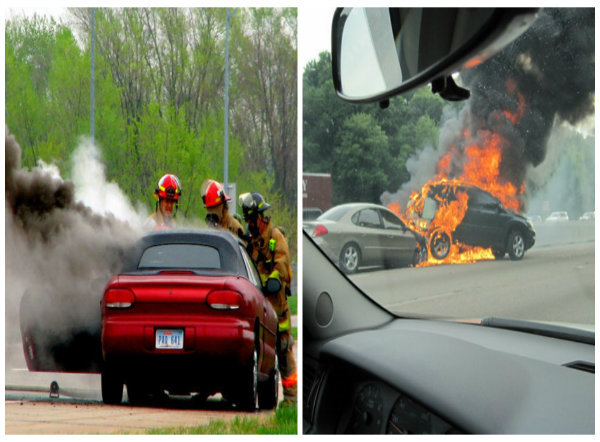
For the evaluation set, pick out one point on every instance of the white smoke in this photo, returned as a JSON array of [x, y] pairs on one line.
[[93, 190], [422, 165]]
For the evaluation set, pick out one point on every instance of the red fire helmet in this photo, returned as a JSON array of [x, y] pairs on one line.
[[168, 187], [213, 194]]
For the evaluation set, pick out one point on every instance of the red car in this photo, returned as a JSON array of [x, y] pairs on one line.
[[187, 314]]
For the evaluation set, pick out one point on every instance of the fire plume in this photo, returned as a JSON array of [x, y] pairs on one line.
[[475, 159]]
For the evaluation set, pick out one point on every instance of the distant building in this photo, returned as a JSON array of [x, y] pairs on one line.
[[316, 190]]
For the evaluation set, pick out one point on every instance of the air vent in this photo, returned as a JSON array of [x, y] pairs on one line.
[[589, 367]]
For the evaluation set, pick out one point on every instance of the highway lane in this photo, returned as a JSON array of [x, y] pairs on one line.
[[551, 283]]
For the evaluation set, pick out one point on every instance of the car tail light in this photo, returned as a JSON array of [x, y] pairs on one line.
[[320, 230], [224, 300], [119, 298]]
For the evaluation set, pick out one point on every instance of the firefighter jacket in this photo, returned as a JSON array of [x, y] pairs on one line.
[[271, 254], [234, 226], [161, 221]]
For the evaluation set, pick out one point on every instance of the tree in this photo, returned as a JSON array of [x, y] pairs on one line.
[[265, 109], [159, 99], [364, 149]]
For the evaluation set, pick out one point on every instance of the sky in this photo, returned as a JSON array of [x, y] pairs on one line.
[[314, 32]]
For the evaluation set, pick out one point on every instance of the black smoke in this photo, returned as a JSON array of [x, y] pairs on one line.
[[543, 78], [59, 253], [549, 73]]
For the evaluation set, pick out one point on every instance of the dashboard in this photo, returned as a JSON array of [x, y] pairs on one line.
[[378, 408], [373, 407], [428, 377]]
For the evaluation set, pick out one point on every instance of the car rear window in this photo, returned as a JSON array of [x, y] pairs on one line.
[[366, 218], [180, 256], [335, 213]]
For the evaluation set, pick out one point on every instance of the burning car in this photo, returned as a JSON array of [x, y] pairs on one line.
[[186, 314], [450, 212]]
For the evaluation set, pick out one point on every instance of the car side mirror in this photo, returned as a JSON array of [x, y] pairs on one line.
[[272, 286], [381, 52]]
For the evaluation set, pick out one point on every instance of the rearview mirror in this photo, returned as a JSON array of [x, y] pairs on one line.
[[380, 52]]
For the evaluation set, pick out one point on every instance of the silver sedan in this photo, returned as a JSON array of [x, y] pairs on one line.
[[363, 234]]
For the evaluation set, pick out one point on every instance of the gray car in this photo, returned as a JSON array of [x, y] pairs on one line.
[[362, 234]]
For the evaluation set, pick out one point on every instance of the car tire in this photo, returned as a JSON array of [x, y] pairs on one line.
[[249, 389], [136, 394], [439, 244], [268, 391], [350, 258], [419, 255], [516, 245], [111, 386]]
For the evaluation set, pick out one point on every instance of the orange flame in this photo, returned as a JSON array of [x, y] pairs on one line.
[[481, 162]]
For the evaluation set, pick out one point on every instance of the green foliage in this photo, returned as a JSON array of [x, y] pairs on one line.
[[293, 303], [366, 136], [364, 149], [159, 99]]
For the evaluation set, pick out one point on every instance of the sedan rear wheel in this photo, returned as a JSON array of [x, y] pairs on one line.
[[350, 258], [137, 394], [112, 387], [516, 245], [249, 400], [268, 391]]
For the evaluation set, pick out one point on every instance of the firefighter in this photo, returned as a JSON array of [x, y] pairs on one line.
[[269, 250], [217, 209], [167, 195]]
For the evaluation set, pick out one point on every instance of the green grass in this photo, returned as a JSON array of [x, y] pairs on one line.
[[293, 303], [283, 421]]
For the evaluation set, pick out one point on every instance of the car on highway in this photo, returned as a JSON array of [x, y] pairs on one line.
[[355, 235], [557, 217], [186, 314], [486, 222], [478, 345], [588, 216]]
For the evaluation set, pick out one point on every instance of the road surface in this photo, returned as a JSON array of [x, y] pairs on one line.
[[79, 408], [553, 282]]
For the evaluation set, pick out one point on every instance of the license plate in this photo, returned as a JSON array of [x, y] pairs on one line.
[[169, 338]]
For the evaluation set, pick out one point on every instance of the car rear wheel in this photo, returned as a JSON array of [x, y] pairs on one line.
[[440, 244], [112, 386], [137, 394], [516, 245], [268, 391], [249, 399], [350, 258]]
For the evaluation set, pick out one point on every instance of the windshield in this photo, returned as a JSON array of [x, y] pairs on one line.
[[492, 190]]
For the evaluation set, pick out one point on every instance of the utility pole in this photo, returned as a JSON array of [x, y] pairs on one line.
[[92, 98], [226, 154]]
